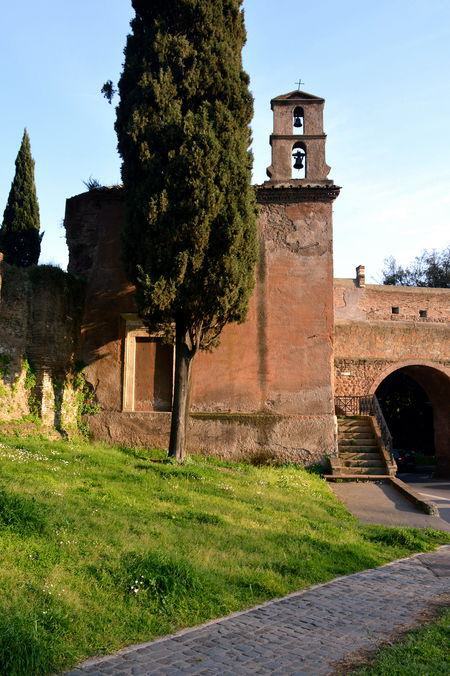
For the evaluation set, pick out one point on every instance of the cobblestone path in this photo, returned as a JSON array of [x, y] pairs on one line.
[[304, 633]]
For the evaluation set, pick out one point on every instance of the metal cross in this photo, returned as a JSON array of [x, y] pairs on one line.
[[300, 83]]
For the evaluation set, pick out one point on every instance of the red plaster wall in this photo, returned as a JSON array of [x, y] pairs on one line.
[[281, 358], [279, 362]]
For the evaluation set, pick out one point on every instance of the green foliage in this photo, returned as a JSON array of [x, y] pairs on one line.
[[20, 513], [157, 577], [423, 652], [97, 553], [429, 269], [19, 236], [29, 382], [30, 375], [412, 539], [184, 136], [87, 403], [109, 91]]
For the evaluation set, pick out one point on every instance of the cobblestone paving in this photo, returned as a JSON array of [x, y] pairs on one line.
[[304, 633]]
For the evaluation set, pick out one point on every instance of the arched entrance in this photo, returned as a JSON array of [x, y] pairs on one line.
[[415, 399]]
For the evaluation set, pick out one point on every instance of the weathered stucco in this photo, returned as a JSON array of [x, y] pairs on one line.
[[371, 343], [279, 361], [255, 438]]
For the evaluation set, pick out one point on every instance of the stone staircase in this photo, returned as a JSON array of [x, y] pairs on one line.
[[361, 451]]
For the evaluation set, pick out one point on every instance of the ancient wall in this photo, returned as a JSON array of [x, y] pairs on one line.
[[376, 302], [278, 363], [380, 329], [369, 337], [39, 324]]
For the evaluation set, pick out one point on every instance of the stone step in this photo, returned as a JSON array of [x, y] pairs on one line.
[[355, 423], [365, 470], [359, 456], [356, 430], [350, 434], [364, 441], [356, 448], [361, 463], [352, 418]]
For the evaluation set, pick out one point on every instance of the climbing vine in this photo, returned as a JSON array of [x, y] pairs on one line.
[[86, 399]]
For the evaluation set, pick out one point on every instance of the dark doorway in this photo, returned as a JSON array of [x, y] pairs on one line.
[[409, 416]]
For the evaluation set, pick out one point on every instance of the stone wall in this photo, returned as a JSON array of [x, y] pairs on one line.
[[365, 350], [376, 302], [39, 327], [370, 338], [278, 363], [371, 342]]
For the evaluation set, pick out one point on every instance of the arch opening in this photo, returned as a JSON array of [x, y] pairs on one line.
[[415, 401], [409, 416], [298, 121], [300, 160]]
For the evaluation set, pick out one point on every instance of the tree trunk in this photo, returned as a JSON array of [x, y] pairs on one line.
[[180, 409]]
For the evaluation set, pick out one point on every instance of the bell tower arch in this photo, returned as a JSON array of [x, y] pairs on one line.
[[298, 140]]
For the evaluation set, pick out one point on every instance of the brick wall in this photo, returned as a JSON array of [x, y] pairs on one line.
[[39, 327], [375, 303]]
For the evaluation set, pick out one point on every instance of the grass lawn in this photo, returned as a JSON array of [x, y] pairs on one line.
[[423, 652], [104, 546]]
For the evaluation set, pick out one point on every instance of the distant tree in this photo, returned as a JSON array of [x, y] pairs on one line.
[[20, 240], [431, 268], [190, 242], [109, 91]]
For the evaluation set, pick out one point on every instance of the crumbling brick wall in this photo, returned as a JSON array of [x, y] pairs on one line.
[[40, 310]]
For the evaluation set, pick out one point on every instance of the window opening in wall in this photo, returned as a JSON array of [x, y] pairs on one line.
[[299, 120], [395, 310], [300, 160], [423, 314]]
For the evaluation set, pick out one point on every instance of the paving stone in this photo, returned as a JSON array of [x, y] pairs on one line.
[[303, 634]]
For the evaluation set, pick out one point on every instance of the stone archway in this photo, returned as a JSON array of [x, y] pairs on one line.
[[434, 379]]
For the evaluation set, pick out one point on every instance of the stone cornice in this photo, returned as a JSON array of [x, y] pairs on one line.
[[292, 194]]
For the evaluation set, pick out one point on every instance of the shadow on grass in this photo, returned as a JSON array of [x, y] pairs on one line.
[[412, 539], [22, 514], [154, 456], [32, 638], [170, 471]]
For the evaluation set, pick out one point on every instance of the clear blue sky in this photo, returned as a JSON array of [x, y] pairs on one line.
[[382, 66]]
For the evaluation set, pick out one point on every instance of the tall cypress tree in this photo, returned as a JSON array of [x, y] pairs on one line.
[[20, 240], [183, 126]]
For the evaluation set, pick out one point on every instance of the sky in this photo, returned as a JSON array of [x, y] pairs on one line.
[[383, 68]]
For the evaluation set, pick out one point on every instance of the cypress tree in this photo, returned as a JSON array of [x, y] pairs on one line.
[[183, 127], [20, 240]]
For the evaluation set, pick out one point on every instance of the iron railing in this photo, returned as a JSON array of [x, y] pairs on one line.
[[354, 405], [366, 405], [385, 433]]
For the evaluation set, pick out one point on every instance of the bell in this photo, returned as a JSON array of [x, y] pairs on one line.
[[299, 157], [298, 122]]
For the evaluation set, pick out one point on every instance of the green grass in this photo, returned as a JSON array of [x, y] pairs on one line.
[[104, 546], [423, 652]]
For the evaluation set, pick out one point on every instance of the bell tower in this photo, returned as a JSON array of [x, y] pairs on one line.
[[298, 140]]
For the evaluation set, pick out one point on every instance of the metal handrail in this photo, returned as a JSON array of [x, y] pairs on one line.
[[385, 433], [366, 405], [354, 405]]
